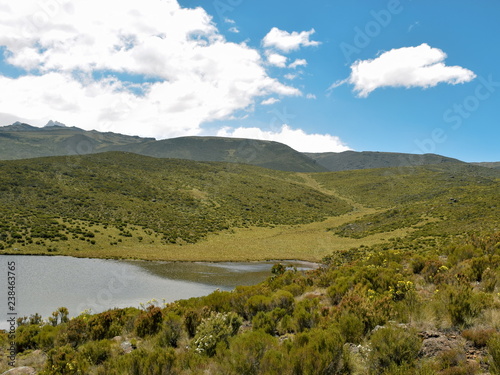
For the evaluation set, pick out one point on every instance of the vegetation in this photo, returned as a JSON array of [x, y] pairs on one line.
[[372, 311], [22, 141], [98, 202], [350, 160], [417, 294]]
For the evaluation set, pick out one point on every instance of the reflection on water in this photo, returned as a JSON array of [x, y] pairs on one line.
[[45, 283]]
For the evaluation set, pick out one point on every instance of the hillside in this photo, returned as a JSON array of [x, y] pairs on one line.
[[22, 141], [127, 205], [495, 165], [265, 154], [421, 299], [99, 201], [351, 160]]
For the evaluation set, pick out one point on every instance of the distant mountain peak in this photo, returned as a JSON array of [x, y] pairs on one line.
[[55, 123]]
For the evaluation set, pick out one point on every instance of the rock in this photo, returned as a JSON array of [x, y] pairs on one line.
[[23, 370], [126, 347]]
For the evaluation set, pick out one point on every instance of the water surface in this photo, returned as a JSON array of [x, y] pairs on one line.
[[45, 283]]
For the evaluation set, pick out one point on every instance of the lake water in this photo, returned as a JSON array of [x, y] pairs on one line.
[[45, 283]]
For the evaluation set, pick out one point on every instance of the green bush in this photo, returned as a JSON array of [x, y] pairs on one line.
[[171, 331], [192, 320], [351, 327], [393, 346], [479, 337], [148, 322], [214, 330], [318, 351], [306, 314], [264, 321], [494, 354], [246, 352], [63, 361], [95, 352]]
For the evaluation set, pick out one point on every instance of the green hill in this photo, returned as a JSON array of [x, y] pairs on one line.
[[124, 204], [105, 198], [22, 141], [350, 160], [495, 165]]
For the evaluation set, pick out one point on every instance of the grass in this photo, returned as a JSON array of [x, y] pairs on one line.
[[121, 205]]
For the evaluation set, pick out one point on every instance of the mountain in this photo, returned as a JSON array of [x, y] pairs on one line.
[[351, 160], [23, 141], [495, 165], [267, 154]]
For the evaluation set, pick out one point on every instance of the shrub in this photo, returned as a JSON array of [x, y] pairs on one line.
[[494, 354], [284, 300], [192, 320], [393, 346], [479, 337], [351, 327], [317, 351], [171, 331], [96, 352], [306, 314], [265, 322], [257, 303], [215, 329], [246, 352], [26, 337], [62, 361], [148, 322]]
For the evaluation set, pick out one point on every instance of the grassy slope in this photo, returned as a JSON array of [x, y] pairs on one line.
[[350, 160], [132, 205], [265, 154], [140, 207]]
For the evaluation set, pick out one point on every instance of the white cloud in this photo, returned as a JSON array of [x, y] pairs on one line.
[[311, 96], [291, 76], [193, 74], [276, 59], [270, 101], [421, 66], [287, 42], [234, 30], [297, 63], [295, 138]]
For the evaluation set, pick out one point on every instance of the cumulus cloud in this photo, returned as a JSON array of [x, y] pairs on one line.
[[270, 101], [421, 66], [287, 42], [297, 63], [175, 70], [295, 138], [276, 59]]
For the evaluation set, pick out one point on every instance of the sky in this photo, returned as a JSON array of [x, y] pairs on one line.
[[413, 76]]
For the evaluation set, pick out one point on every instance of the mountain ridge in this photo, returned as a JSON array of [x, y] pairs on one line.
[[24, 141]]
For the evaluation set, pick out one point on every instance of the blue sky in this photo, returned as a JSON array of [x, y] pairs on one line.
[[401, 76]]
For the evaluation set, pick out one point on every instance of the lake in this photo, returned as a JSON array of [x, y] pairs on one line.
[[44, 283]]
